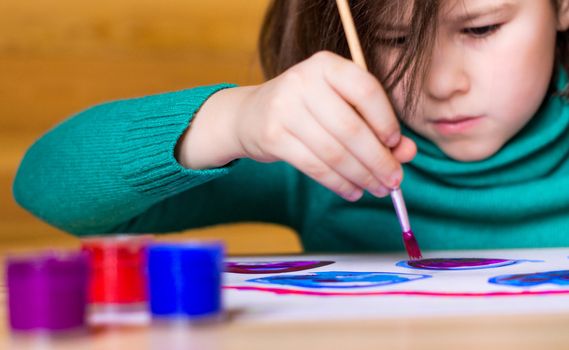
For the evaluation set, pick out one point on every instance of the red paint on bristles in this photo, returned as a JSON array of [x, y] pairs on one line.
[[411, 246]]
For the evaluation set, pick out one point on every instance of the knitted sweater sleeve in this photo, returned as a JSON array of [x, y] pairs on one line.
[[111, 168]]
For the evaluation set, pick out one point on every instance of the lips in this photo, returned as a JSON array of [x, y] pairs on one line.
[[456, 125]]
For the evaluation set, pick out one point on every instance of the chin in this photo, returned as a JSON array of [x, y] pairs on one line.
[[468, 152]]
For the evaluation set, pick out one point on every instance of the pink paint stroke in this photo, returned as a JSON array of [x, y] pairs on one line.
[[283, 291]]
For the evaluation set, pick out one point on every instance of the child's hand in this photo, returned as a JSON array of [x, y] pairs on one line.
[[326, 116]]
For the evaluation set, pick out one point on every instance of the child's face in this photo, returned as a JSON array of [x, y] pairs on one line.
[[488, 75]]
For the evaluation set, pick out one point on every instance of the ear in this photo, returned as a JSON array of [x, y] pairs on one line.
[[562, 15]]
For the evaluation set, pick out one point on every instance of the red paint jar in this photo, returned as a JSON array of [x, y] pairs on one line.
[[118, 278]]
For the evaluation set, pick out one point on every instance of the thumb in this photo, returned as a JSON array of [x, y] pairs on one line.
[[405, 150]]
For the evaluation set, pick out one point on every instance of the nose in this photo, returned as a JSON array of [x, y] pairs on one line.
[[447, 75]]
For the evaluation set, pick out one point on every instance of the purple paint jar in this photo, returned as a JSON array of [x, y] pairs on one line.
[[47, 291]]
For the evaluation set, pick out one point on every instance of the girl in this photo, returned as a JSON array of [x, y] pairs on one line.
[[474, 85]]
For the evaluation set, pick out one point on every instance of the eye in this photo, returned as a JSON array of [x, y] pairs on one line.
[[480, 32], [393, 41]]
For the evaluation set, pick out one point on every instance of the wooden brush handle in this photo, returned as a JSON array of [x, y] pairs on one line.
[[351, 33]]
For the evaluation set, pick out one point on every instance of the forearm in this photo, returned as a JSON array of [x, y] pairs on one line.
[[111, 162]]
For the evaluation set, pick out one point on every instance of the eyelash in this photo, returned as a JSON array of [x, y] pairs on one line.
[[481, 32], [476, 32], [393, 42]]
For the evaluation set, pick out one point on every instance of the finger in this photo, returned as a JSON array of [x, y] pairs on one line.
[[330, 151], [302, 158], [344, 123], [364, 92], [405, 151]]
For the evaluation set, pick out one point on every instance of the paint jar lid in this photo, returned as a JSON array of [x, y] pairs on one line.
[[47, 291], [118, 268], [185, 279]]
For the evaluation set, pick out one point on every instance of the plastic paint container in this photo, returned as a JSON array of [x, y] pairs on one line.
[[47, 291], [185, 280], [118, 280]]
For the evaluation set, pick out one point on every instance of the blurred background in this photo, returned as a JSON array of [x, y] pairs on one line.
[[61, 56]]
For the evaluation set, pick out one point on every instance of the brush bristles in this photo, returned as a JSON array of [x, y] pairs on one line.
[[411, 246]]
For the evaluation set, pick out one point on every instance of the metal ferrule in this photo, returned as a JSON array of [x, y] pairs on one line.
[[399, 204]]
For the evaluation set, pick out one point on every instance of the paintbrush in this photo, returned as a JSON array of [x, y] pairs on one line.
[[409, 240]]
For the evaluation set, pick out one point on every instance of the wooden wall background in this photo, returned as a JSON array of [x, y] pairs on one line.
[[59, 57]]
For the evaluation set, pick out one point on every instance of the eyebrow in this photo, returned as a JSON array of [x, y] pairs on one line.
[[483, 12]]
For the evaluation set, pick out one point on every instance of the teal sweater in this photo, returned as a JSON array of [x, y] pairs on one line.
[[111, 168]]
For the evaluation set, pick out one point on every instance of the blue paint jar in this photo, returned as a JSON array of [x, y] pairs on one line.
[[184, 279]]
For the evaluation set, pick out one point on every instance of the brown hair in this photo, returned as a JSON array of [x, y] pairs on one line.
[[293, 30]]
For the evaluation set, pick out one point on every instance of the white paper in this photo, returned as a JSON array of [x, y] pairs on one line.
[[267, 306]]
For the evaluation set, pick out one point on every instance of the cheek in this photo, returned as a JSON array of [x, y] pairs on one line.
[[387, 61], [398, 98], [522, 64]]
